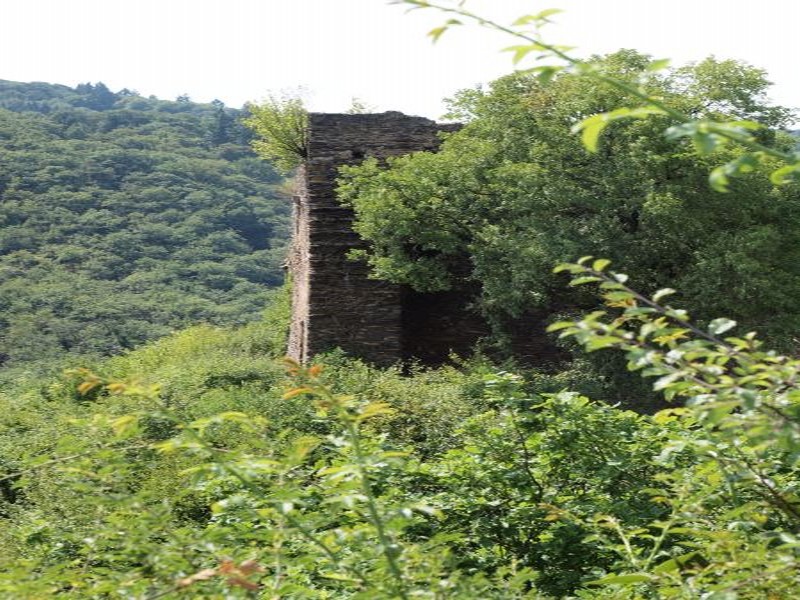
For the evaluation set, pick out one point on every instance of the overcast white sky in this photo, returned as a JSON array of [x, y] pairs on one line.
[[239, 50]]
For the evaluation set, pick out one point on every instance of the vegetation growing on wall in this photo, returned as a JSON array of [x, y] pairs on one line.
[[280, 126]]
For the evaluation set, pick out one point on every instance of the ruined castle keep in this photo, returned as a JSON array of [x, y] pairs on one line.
[[334, 302]]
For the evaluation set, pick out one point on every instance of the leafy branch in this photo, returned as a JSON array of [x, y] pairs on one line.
[[746, 399], [707, 135], [351, 414]]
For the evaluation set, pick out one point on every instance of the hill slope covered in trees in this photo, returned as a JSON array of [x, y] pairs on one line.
[[124, 217]]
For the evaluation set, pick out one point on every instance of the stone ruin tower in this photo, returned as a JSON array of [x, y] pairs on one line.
[[334, 302]]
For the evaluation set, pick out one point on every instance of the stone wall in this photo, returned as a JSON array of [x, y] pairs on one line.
[[335, 303]]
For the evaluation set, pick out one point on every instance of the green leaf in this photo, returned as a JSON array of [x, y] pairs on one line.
[[705, 143], [618, 295], [124, 424], [662, 293], [540, 17], [673, 564], [547, 12], [598, 342], [638, 113], [718, 180], [590, 129], [524, 20], [573, 268], [658, 65], [720, 176], [544, 74], [600, 264], [559, 325], [521, 52], [721, 325], [583, 280], [667, 380], [746, 163], [785, 174], [437, 32]]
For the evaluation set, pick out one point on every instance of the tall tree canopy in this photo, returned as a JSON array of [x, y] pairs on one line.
[[514, 193]]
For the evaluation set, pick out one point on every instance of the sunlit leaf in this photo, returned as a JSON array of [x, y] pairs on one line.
[[721, 325], [785, 174], [600, 264], [658, 65], [437, 32], [662, 293]]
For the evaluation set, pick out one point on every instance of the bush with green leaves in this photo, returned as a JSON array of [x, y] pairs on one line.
[[232, 479], [415, 486], [529, 457], [736, 512]]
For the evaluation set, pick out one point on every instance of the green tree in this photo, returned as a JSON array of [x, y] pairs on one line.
[[97, 96], [221, 126], [513, 193]]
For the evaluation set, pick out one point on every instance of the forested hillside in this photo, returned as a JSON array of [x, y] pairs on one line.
[[123, 218]]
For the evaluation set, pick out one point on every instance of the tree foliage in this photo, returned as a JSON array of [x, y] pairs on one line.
[[707, 132], [513, 193], [280, 126], [741, 404]]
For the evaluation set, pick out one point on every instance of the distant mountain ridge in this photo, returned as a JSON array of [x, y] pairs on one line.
[[46, 97]]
